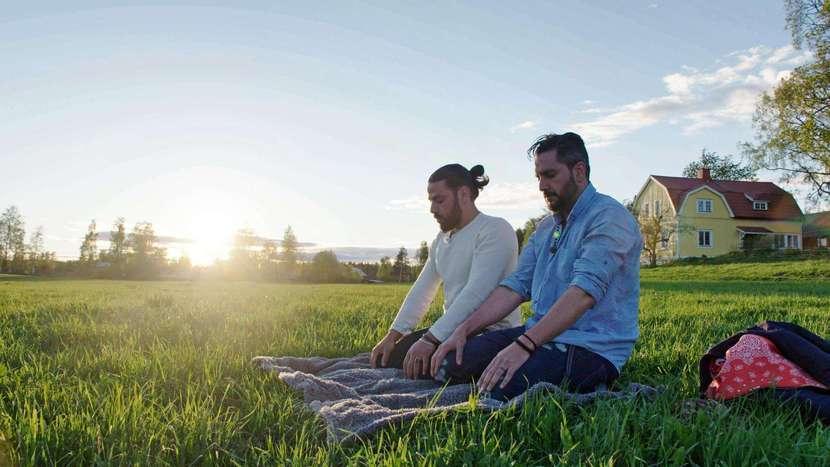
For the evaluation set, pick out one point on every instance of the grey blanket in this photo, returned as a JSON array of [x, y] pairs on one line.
[[355, 399]]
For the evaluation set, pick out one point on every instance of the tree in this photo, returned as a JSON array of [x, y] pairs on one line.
[[792, 123], [243, 255], [288, 255], [401, 266], [35, 249], [325, 267], [146, 257], [423, 253], [89, 247], [268, 257], [12, 240], [720, 167], [117, 254], [385, 268], [529, 228], [658, 229]]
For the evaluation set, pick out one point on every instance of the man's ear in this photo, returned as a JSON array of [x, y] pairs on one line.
[[579, 172], [464, 194]]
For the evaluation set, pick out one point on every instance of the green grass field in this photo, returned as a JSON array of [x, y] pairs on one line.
[[101, 372]]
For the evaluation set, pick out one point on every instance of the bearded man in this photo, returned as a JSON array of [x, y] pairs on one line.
[[580, 270], [471, 254]]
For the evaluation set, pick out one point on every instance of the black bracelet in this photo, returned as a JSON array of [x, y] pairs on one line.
[[535, 345], [431, 340], [524, 346]]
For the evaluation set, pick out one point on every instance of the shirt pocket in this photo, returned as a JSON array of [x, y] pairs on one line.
[[563, 266]]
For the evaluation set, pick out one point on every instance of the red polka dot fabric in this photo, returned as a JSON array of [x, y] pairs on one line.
[[754, 362]]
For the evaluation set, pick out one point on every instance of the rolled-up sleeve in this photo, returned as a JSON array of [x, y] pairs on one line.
[[610, 238], [521, 281]]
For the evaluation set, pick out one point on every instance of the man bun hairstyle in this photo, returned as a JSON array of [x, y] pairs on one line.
[[456, 176], [569, 148]]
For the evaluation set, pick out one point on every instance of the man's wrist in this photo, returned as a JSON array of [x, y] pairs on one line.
[[428, 337], [395, 333]]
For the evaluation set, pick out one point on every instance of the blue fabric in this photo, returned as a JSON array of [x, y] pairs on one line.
[[579, 369], [599, 252]]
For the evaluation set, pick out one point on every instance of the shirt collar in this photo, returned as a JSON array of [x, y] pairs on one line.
[[452, 233], [581, 204]]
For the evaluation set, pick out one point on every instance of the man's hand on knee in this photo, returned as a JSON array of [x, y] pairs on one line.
[[456, 342], [502, 368], [384, 348], [417, 360]]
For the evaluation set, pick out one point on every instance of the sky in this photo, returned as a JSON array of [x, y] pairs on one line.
[[204, 118]]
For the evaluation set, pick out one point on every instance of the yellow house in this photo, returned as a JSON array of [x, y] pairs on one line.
[[705, 217]]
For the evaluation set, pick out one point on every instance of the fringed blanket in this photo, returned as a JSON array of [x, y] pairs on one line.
[[355, 399]]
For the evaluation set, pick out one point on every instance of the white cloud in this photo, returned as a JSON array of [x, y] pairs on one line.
[[526, 125], [698, 99], [510, 196], [496, 196], [413, 203]]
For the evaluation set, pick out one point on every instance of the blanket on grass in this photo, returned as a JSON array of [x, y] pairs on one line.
[[356, 400]]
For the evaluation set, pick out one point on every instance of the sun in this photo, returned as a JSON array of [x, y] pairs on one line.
[[209, 243], [210, 221]]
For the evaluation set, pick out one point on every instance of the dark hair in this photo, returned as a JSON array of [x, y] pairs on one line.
[[569, 148], [456, 176]]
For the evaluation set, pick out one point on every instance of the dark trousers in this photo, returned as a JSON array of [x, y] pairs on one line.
[[401, 348], [567, 365]]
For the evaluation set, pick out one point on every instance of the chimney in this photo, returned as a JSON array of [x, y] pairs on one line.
[[703, 173]]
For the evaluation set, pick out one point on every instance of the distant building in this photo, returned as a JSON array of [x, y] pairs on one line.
[[715, 217], [816, 230]]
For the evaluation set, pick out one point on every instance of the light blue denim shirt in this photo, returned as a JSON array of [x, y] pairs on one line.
[[599, 252]]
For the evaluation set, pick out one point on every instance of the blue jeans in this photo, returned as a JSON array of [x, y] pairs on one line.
[[570, 366]]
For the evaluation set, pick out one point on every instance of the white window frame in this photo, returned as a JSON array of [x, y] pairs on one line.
[[645, 209], [704, 205], [791, 241], [711, 239], [822, 242], [760, 206], [656, 207]]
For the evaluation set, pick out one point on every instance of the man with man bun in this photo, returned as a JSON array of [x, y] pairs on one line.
[[471, 254], [581, 272]]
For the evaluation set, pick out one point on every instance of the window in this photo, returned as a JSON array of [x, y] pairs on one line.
[[704, 238], [645, 209], [656, 207], [759, 205], [664, 242], [786, 241], [822, 242], [704, 205]]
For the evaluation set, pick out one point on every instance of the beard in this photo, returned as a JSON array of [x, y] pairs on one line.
[[451, 219], [564, 199]]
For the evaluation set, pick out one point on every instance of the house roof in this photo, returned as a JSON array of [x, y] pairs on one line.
[[817, 223], [750, 229], [738, 195]]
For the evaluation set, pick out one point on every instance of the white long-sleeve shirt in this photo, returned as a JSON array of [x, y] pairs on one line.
[[470, 262]]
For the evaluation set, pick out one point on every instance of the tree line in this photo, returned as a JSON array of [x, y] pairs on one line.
[[17, 256], [140, 255]]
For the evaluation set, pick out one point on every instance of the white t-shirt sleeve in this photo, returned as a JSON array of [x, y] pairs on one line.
[[494, 256], [417, 300]]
